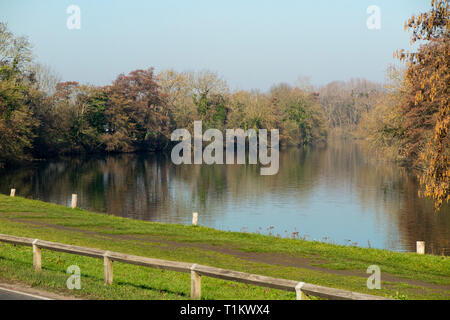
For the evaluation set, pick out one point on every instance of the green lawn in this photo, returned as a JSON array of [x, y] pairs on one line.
[[404, 275]]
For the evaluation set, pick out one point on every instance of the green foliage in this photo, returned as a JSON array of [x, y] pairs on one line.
[[16, 118], [96, 116], [11, 92], [302, 121], [212, 110]]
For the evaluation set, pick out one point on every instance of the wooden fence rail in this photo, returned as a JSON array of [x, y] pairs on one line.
[[197, 271]]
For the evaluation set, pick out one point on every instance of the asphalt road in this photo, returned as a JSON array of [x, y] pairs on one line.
[[7, 294]]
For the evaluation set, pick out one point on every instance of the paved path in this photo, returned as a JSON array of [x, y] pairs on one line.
[[8, 294]]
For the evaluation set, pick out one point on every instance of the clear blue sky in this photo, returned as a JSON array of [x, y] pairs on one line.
[[251, 43]]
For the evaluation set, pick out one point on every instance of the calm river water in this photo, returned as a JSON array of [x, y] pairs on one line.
[[337, 194]]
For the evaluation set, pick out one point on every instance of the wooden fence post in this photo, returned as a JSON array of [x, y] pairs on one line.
[[194, 218], [74, 201], [420, 247], [299, 292], [108, 269], [196, 284], [37, 257], [13, 193]]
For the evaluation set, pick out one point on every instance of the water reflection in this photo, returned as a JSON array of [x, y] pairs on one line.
[[336, 194]]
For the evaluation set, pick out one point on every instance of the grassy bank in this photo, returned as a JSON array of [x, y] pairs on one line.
[[404, 275]]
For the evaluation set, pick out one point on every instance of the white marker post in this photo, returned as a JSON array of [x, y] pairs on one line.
[[195, 219], [74, 201], [420, 247], [13, 192]]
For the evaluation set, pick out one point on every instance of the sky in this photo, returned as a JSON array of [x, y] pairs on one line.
[[252, 44]]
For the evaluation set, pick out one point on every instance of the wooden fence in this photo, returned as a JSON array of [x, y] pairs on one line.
[[197, 271]]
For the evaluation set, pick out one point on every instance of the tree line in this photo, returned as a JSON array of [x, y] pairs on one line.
[[408, 118]]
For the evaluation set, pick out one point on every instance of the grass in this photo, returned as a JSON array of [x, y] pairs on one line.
[[404, 275]]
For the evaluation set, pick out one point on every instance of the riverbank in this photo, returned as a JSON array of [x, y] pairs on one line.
[[403, 275]]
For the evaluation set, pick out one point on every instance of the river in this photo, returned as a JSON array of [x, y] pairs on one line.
[[338, 194]]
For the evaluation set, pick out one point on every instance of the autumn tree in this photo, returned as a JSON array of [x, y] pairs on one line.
[[137, 118], [425, 108], [178, 95], [381, 128]]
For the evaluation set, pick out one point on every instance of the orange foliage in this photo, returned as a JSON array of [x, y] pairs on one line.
[[425, 108]]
